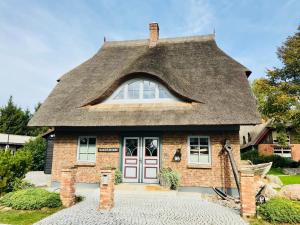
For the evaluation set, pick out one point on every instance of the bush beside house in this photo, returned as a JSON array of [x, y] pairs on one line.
[[118, 177], [169, 178], [12, 168]]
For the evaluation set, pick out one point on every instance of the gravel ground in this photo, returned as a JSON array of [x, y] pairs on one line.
[[146, 207], [38, 178]]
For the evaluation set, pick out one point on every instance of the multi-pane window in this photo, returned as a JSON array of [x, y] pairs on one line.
[[133, 90], [199, 150], [87, 149], [141, 90], [149, 89]]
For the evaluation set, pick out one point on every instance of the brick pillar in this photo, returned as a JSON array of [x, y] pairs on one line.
[[248, 192], [67, 187], [107, 187]]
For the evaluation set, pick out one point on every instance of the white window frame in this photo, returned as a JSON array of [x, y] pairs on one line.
[[189, 149], [78, 149], [111, 99]]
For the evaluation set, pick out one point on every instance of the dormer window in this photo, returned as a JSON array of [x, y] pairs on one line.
[[141, 90]]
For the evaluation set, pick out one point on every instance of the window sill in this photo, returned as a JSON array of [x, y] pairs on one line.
[[85, 164], [199, 166]]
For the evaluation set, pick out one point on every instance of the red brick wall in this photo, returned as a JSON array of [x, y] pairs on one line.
[[218, 174], [65, 154], [296, 152], [265, 149]]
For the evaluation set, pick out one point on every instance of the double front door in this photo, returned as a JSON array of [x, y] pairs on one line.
[[141, 159]]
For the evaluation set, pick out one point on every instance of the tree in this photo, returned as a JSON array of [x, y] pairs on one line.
[[278, 95], [13, 120], [37, 148]]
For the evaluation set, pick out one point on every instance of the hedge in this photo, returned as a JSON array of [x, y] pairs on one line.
[[277, 160], [32, 198]]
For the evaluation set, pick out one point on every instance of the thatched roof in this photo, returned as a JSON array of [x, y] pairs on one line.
[[214, 86]]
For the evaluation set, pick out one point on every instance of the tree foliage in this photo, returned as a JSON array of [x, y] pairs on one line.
[[278, 95], [14, 120], [37, 148]]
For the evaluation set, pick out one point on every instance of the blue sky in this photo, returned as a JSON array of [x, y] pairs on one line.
[[41, 40]]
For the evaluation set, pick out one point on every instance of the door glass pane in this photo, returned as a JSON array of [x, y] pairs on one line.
[[131, 147], [134, 90], [149, 90], [151, 146]]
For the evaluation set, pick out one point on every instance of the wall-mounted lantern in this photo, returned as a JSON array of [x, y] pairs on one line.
[[177, 155]]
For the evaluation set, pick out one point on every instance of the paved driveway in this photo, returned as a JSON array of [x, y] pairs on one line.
[[145, 207]]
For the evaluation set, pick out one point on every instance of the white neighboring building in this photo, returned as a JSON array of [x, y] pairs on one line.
[[13, 141]]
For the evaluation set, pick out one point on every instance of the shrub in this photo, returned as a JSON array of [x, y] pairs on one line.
[[32, 198], [277, 160], [251, 155], [118, 177], [170, 176], [19, 184], [13, 167], [280, 210], [37, 148]]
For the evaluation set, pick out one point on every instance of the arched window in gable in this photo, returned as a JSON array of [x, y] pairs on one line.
[[141, 90]]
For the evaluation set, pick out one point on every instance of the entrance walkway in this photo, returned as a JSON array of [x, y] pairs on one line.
[[135, 205]]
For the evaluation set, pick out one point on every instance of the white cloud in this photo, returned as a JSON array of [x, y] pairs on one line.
[[198, 17]]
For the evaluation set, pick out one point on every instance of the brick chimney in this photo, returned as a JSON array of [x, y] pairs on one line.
[[154, 34]]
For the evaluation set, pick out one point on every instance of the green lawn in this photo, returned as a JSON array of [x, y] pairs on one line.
[[286, 179], [290, 179], [275, 171], [25, 217]]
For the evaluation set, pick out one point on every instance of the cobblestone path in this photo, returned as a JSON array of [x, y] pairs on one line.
[[147, 207]]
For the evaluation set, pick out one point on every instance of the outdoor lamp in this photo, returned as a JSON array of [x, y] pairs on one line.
[[177, 156]]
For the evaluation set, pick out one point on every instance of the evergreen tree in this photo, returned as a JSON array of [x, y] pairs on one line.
[[13, 120]]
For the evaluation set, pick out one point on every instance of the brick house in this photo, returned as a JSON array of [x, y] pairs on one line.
[[134, 104], [263, 137]]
